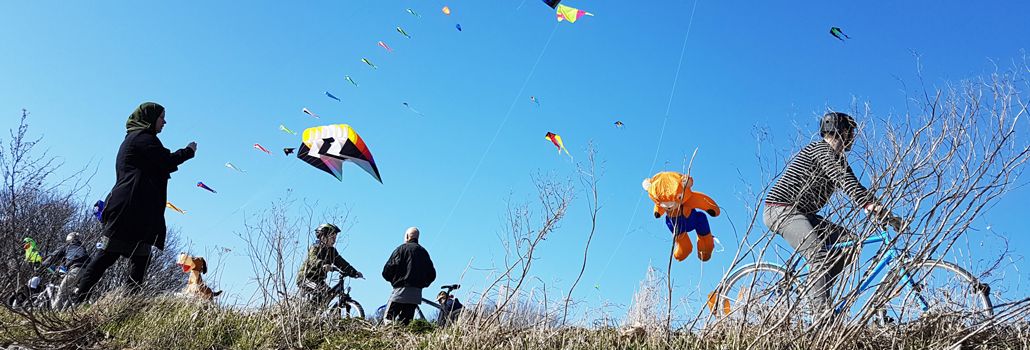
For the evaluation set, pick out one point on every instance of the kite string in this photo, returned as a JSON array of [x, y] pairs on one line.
[[499, 128], [661, 136]]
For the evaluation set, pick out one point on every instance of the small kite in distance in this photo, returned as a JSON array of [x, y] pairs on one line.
[[283, 128], [329, 95], [258, 147], [202, 185], [534, 100], [446, 10], [405, 34], [233, 167], [412, 109], [618, 124], [387, 47], [288, 150], [171, 206], [458, 26], [837, 33], [309, 112], [369, 63], [412, 12], [350, 80]]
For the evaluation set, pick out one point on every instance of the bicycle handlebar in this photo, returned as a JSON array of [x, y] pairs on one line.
[[451, 287]]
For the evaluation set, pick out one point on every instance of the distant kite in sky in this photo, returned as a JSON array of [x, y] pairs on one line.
[[233, 167], [328, 147], [350, 80], [556, 140], [288, 150], [412, 109], [258, 147], [618, 124], [412, 12], [369, 63], [327, 94], [202, 185], [383, 45], [309, 112], [566, 13], [837, 33], [446, 10], [534, 100], [171, 206], [283, 128], [405, 34], [458, 26]]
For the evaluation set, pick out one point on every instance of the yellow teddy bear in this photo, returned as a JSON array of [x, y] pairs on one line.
[[673, 197]]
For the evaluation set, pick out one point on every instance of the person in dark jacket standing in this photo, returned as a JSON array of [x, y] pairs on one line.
[[408, 270], [133, 214]]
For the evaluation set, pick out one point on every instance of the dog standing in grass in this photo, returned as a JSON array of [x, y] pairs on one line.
[[195, 287]]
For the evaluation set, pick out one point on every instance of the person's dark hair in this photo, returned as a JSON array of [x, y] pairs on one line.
[[836, 123]]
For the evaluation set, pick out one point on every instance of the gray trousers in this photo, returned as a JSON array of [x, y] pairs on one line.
[[809, 234]]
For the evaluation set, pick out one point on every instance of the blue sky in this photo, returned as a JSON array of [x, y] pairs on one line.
[[229, 74]]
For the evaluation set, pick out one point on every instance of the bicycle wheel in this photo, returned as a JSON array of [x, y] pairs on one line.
[[938, 288], [757, 293], [349, 309]]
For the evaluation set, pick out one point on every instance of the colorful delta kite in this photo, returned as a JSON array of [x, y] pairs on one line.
[[309, 112], [458, 26], [369, 63], [566, 13], [202, 185], [837, 33], [288, 150], [98, 210], [328, 147], [556, 140], [258, 147], [171, 206], [233, 167], [329, 95], [446, 10], [618, 124], [412, 109], [350, 80], [412, 12], [283, 128], [405, 34], [383, 45]]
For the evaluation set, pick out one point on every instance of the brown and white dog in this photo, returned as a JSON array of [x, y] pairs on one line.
[[195, 288]]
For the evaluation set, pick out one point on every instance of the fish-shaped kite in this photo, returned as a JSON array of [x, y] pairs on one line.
[[446, 10], [837, 33], [258, 147], [556, 140], [383, 45], [288, 150], [369, 63], [534, 100], [329, 95], [458, 26], [233, 167], [412, 12], [171, 206], [566, 13], [618, 124], [309, 112], [350, 80], [283, 128], [202, 185], [405, 34], [412, 109]]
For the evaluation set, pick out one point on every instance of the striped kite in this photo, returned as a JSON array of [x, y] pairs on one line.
[[283, 128], [171, 206], [309, 112], [383, 45], [328, 147], [258, 147], [202, 185]]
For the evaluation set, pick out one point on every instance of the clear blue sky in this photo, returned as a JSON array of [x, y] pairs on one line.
[[229, 74]]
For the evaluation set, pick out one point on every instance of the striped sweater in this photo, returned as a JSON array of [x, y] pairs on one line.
[[813, 176]]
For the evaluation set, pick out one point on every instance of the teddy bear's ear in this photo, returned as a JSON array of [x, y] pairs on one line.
[[646, 184]]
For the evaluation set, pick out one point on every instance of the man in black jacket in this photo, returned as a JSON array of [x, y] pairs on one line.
[[133, 215], [408, 270]]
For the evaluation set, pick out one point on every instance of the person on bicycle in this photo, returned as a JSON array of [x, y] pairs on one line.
[[323, 257], [450, 306], [812, 177], [409, 269], [73, 257]]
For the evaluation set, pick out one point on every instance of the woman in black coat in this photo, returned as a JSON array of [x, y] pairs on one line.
[[133, 216]]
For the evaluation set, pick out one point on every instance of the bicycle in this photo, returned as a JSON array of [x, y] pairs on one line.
[[441, 318], [339, 303], [759, 288]]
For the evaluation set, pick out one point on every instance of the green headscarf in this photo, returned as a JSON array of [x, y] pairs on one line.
[[144, 117]]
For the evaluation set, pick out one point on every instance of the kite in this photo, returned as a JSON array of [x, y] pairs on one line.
[[566, 13], [233, 167], [369, 63], [556, 140], [618, 124], [446, 10], [171, 206], [412, 109], [283, 128], [405, 34], [98, 210], [288, 150], [673, 197], [534, 100], [383, 45], [458, 26], [258, 147], [412, 12], [309, 112], [328, 147], [202, 185], [350, 80], [327, 94], [31, 251], [837, 33]]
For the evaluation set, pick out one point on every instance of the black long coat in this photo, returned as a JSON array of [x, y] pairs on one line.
[[134, 211]]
